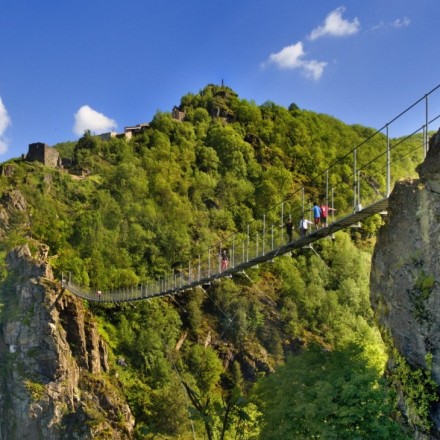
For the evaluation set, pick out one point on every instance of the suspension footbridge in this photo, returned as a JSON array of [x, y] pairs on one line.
[[368, 184]]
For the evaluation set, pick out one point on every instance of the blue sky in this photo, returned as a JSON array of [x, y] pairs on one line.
[[103, 65]]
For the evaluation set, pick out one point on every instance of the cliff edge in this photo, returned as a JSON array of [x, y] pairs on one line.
[[405, 274], [55, 380]]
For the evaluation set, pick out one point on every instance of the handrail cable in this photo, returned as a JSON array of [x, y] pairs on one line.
[[194, 275]]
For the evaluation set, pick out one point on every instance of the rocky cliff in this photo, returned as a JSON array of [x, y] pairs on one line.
[[405, 288], [55, 380]]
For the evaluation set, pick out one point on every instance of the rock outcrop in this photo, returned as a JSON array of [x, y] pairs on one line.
[[55, 381], [12, 208], [405, 287]]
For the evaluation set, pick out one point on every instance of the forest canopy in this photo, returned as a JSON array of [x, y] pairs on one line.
[[290, 349]]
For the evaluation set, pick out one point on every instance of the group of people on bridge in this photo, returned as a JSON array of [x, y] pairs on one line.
[[320, 218]]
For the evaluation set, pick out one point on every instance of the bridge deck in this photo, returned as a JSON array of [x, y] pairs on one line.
[[141, 293]]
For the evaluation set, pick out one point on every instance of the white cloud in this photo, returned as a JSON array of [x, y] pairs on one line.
[[314, 69], [289, 57], [292, 57], [88, 119], [401, 22], [5, 122], [398, 23], [334, 25]]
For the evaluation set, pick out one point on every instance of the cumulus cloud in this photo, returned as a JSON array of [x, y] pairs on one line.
[[336, 26], [289, 57], [5, 122], [292, 57], [88, 119]]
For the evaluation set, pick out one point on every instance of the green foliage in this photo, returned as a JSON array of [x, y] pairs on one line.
[[134, 210], [169, 409], [66, 149], [205, 366], [146, 335], [325, 290], [35, 389], [419, 294], [329, 395], [195, 311], [419, 388], [425, 283]]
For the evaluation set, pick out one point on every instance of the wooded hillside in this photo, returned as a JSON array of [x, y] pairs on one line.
[[288, 350]]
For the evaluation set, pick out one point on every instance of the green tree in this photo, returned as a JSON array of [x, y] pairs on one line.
[[328, 395]]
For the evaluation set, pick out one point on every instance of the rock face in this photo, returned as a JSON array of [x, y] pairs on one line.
[[405, 275], [55, 381], [12, 203]]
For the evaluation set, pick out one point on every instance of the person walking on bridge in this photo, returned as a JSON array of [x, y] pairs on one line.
[[224, 260], [316, 214], [289, 228], [303, 226], [325, 209]]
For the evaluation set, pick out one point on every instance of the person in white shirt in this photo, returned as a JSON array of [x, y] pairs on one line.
[[303, 226]]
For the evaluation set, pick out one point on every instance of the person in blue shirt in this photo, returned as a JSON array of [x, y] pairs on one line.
[[316, 214]]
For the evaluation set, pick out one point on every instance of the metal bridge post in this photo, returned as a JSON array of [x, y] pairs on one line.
[[264, 232], [333, 205], [220, 259], [247, 243], [209, 262], [388, 181], [326, 188], [282, 213], [425, 150], [354, 179], [303, 200], [272, 237], [426, 145]]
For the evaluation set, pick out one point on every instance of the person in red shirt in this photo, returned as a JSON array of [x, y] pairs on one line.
[[324, 214], [224, 260]]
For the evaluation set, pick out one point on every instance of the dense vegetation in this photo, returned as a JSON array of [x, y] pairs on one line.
[[199, 363]]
